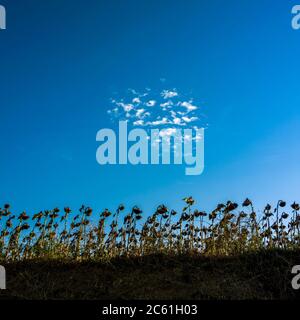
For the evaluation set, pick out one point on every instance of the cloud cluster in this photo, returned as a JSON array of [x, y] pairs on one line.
[[165, 109]]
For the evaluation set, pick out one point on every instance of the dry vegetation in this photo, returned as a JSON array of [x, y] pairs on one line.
[[228, 253], [224, 231]]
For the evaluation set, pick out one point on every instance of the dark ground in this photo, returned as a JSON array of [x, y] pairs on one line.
[[265, 275]]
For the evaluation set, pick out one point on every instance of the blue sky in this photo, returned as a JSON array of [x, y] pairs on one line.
[[62, 61]]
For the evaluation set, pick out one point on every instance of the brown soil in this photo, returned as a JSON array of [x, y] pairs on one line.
[[264, 275]]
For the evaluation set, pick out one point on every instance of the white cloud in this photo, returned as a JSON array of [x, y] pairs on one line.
[[127, 107], [198, 137], [138, 94], [167, 104], [151, 103], [138, 123], [187, 137], [167, 94], [188, 120], [136, 100], [139, 113], [189, 106], [160, 109], [133, 91], [177, 121], [167, 132], [163, 121]]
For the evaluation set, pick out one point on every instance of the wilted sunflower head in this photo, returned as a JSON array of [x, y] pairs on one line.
[[136, 210], [247, 203], [173, 212], [88, 212], [281, 203], [189, 200], [67, 210], [295, 206], [25, 226], [23, 216], [285, 215], [121, 207], [162, 209], [231, 206]]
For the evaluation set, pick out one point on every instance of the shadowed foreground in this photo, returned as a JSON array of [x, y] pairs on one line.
[[263, 275]]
